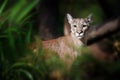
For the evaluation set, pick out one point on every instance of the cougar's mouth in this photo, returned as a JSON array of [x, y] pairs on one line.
[[81, 35]]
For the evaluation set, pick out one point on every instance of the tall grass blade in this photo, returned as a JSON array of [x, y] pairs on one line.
[[27, 73], [28, 35], [26, 18], [4, 17], [3, 6], [26, 10], [17, 7], [11, 40]]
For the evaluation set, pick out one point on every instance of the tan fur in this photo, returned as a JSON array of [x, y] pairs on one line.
[[69, 46], [64, 46]]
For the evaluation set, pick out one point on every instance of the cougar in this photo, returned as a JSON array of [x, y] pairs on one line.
[[69, 45]]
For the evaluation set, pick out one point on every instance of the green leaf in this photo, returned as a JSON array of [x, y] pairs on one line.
[[25, 19], [18, 64], [11, 40], [27, 73], [26, 10], [16, 9], [4, 17], [28, 36], [3, 6]]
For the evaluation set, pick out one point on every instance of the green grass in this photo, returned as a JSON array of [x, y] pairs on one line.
[[17, 62], [15, 34]]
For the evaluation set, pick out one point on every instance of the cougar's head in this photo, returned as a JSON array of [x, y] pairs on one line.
[[79, 25]]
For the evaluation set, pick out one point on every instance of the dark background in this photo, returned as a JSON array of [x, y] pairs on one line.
[[51, 14]]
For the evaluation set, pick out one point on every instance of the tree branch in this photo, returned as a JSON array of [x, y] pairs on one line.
[[102, 31]]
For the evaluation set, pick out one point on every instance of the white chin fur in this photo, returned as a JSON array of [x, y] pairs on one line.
[[81, 34], [79, 37]]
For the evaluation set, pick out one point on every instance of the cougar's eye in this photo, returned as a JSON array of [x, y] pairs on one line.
[[74, 25], [84, 25]]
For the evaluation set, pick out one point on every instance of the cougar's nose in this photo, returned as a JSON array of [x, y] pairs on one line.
[[81, 32], [78, 32]]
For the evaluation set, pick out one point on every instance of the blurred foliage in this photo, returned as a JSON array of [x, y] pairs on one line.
[[13, 27], [15, 34], [82, 8], [17, 61], [89, 68]]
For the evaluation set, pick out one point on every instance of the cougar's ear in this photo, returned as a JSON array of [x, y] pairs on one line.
[[69, 18], [89, 18]]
